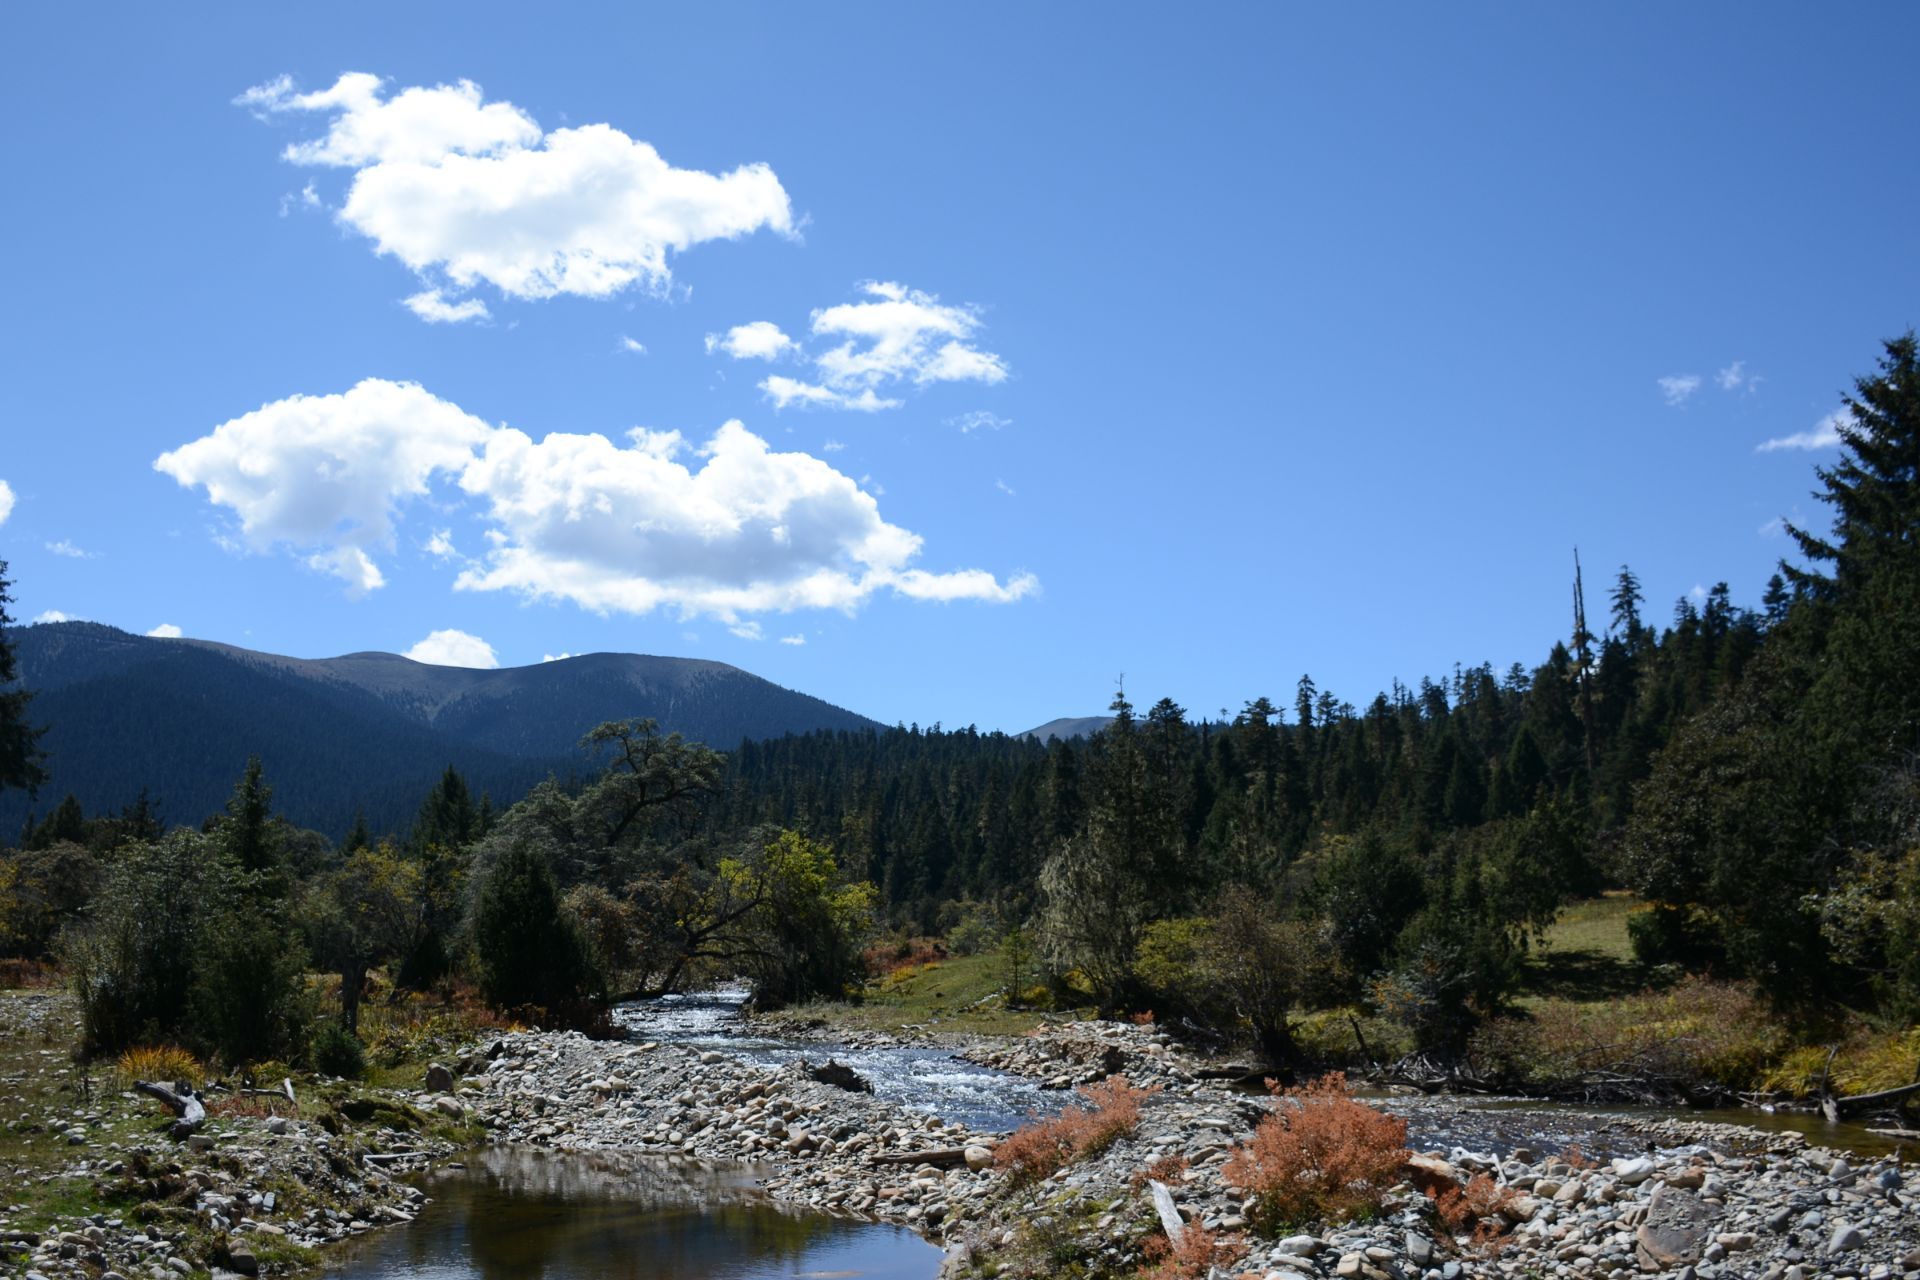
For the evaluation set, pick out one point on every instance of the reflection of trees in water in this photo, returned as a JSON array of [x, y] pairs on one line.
[[518, 1215]]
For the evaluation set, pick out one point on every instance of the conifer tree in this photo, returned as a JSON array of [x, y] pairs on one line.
[[20, 754]]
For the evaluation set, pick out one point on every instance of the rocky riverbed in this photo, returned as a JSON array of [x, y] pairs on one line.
[[263, 1192]]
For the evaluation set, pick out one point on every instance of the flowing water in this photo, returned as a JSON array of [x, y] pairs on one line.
[[922, 1079], [514, 1214]]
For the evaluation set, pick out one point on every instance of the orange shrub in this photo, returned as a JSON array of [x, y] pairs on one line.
[[1328, 1157], [1198, 1252], [1168, 1169], [1578, 1159], [1477, 1206], [1043, 1148]]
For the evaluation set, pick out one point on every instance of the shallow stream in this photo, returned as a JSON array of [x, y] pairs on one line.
[[929, 1080]]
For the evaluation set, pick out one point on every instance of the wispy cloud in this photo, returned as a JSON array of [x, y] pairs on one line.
[[71, 552], [1003, 487], [895, 337], [1824, 434], [432, 306], [747, 630], [979, 420], [795, 639], [632, 348], [1733, 377], [1679, 388]]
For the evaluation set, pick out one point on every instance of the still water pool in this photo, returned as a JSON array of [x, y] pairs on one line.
[[518, 1214]]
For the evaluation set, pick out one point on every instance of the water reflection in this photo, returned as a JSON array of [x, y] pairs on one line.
[[513, 1214]]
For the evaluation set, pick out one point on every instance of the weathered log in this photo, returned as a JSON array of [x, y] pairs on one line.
[[939, 1157], [1865, 1101], [1170, 1220], [1905, 1135], [191, 1111]]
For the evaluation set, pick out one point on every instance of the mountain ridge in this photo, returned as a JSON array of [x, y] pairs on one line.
[[366, 730]]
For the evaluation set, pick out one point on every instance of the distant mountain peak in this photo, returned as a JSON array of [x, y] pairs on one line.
[[337, 734]]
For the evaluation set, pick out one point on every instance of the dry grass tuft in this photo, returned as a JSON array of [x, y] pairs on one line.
[[1043, 1148], [165, 1062], [1327, 1158]]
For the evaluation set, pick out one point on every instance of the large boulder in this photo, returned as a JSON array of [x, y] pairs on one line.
[[1676, 1230]]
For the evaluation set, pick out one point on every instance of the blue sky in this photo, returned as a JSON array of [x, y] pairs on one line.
[[1211, 345]]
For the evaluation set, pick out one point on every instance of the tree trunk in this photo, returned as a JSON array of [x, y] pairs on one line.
[[353, 977]]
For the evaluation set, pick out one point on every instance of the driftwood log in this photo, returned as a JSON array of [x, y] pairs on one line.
[[1170, 1220], [191, 1111], [1836, 1109]]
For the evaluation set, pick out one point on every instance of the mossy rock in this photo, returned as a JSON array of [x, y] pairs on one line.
[[394, 1115]]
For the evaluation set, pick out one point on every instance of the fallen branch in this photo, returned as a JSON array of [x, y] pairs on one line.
[[1835, 1108], [191, 1111]]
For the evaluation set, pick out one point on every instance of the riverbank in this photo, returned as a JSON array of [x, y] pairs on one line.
[[1669, 1195], [92, 1184], [103, 1189]]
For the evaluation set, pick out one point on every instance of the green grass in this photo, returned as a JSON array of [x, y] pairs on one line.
[[959, 993], [1586, 953]]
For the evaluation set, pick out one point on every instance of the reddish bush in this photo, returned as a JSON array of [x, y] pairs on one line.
[[1044, 1147], [1578, 1159], [907, 953], [1326, 1157], [1168, 1169], [1198, 1252], [1475, 1207]]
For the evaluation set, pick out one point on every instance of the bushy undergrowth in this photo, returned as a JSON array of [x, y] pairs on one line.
[[1866, 1061], [1193, 1258], [1695, 1033], [1322, 1157], [338, 1052], [1043, 1148]]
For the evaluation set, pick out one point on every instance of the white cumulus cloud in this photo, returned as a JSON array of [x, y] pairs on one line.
[[324, 474], [555, 657], [728, 529], [466, 191], [896, 336], [6, 501], [432, 306], [54, 615], [452, 648], [165, 631], [757, 340], [1679, 388], [1824, 434]]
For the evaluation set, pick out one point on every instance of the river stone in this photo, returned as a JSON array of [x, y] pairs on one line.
[[1846, 1236], [439, 1079], [1675, 1231], [979, 1158], [241, 1258], [1633, 1172]]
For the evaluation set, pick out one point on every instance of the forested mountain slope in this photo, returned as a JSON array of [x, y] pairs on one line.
[[372, 730]]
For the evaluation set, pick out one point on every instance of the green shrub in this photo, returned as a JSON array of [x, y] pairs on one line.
[[338, 1052]]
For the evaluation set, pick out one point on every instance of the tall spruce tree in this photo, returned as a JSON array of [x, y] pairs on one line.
[[20, 754]]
